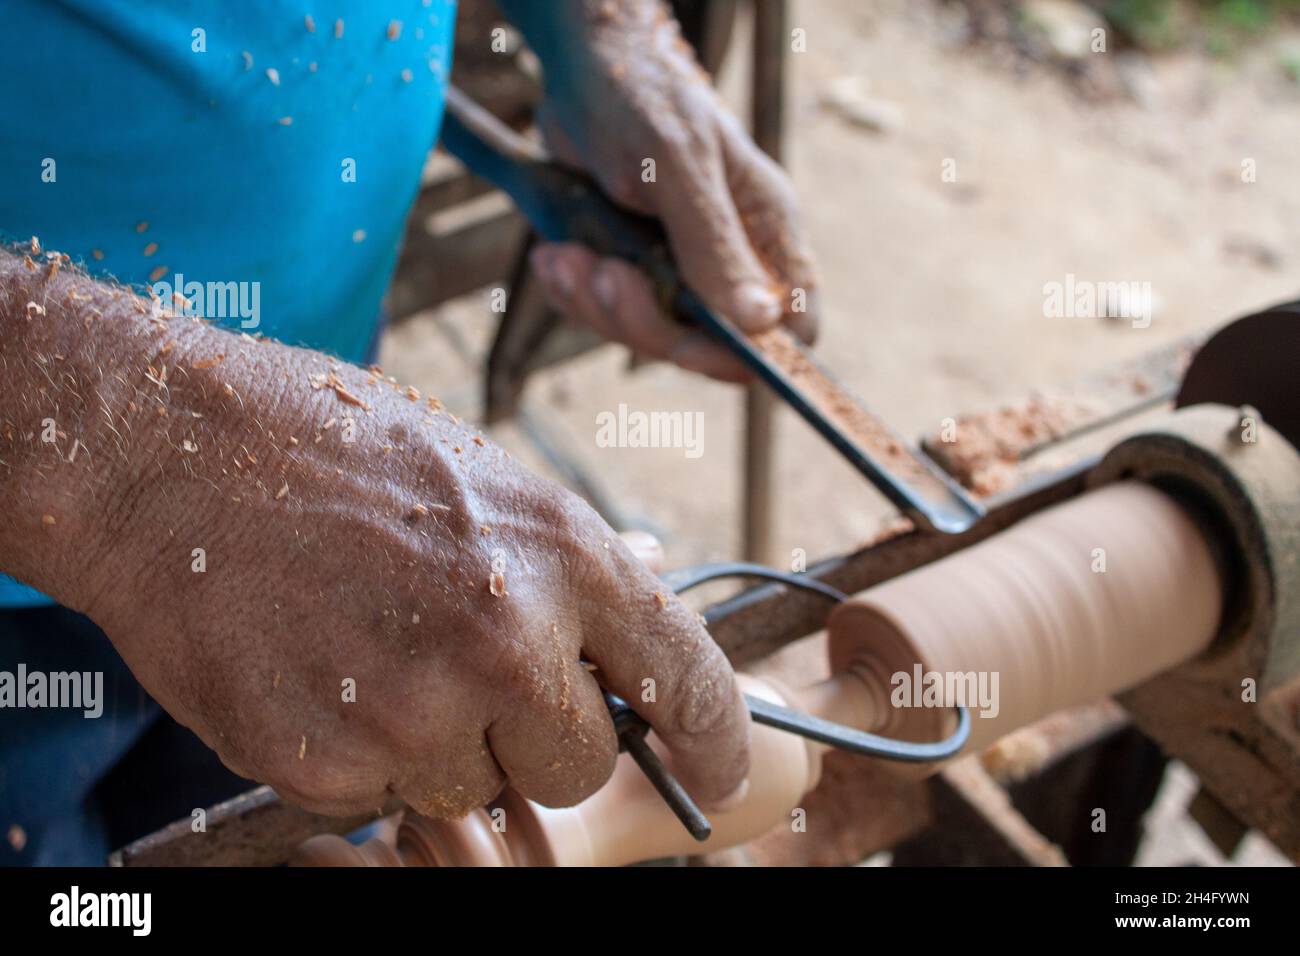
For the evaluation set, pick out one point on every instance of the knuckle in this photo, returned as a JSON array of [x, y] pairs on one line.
[[443, 800], [703, 703], [572, 774]]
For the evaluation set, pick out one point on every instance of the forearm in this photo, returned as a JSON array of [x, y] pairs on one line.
[[74, 353], [130, 437]]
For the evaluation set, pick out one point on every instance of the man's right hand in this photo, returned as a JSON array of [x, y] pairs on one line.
[[341, 589]]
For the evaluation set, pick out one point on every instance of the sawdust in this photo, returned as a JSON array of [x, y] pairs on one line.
[[836, 404], [989, 445]]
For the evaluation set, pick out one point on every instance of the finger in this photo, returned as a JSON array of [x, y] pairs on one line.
[[559, 748], [711, 246], [564, 270], [628, 300], [463, 775], [655, 654], [618, 302], [331, 785], [646, 548], [698, 352], [769, 209]]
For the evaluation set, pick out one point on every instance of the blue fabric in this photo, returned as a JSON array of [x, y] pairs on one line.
[[51, 758], [236, 178]]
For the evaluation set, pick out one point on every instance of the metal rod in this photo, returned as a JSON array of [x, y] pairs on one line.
[[674, 793]]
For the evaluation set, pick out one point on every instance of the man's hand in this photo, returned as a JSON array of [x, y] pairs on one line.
[[343, 590], [627, 103]]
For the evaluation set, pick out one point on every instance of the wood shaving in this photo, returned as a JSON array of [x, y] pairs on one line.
[[210, 363], [497, 585], [338, 29], [189, 446], [34, 309], [302, 748], [283, 492], [47, 520], [394, 29], [332, 381], [309, 23]]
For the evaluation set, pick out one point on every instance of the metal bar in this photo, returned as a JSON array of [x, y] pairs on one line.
[[767, 121]]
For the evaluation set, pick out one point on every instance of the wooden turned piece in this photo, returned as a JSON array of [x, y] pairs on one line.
[[469, 841], [1025, 603], [327, 849], [1028, 605], [420, 841]]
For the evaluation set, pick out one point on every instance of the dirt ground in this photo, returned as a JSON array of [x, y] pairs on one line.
[[932, 290]]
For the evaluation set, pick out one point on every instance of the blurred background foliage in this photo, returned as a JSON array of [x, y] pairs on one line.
[[1219, 26]]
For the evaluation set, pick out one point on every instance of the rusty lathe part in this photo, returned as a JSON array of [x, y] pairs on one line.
[[1233, 714]]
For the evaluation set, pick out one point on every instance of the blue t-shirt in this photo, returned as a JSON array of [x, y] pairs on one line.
[[256, 156]]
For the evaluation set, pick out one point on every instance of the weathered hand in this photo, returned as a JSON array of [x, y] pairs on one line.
[[631, 107], [344, 591]]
